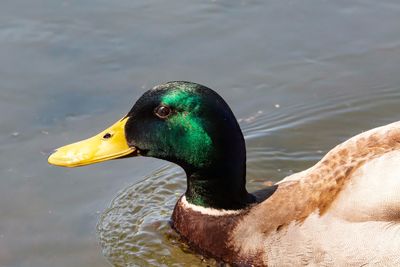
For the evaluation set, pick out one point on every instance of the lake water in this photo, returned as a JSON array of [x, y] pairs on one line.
[[301, 77]]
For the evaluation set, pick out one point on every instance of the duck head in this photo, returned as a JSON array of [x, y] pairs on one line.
[[184, 123]]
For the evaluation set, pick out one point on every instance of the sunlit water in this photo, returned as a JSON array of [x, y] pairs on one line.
[[301, 77]]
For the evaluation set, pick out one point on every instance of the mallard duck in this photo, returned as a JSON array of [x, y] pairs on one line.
[[342, 211]]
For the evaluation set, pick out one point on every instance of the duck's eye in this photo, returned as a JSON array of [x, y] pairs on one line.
[[162, 111]]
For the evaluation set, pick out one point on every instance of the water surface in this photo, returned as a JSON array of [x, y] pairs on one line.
[[301, 77]]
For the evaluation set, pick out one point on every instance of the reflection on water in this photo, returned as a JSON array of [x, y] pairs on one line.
[[300, 76]]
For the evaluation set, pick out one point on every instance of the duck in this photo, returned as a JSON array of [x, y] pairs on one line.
[[343, 211]]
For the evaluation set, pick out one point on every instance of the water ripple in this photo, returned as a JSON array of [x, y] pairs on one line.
[[135, 230], [303, 113]]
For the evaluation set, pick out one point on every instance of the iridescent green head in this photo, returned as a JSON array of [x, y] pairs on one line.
[[182, 122], [192, 126], [170, 122]]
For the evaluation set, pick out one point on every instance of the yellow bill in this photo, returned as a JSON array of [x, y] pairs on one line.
[[109, 144]]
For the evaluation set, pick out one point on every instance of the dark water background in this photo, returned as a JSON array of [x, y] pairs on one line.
[[301, 76]]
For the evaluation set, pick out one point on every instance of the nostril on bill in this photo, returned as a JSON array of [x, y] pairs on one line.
[[107, 135]]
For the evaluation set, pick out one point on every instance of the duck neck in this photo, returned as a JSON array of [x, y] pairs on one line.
[[221, 186]]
